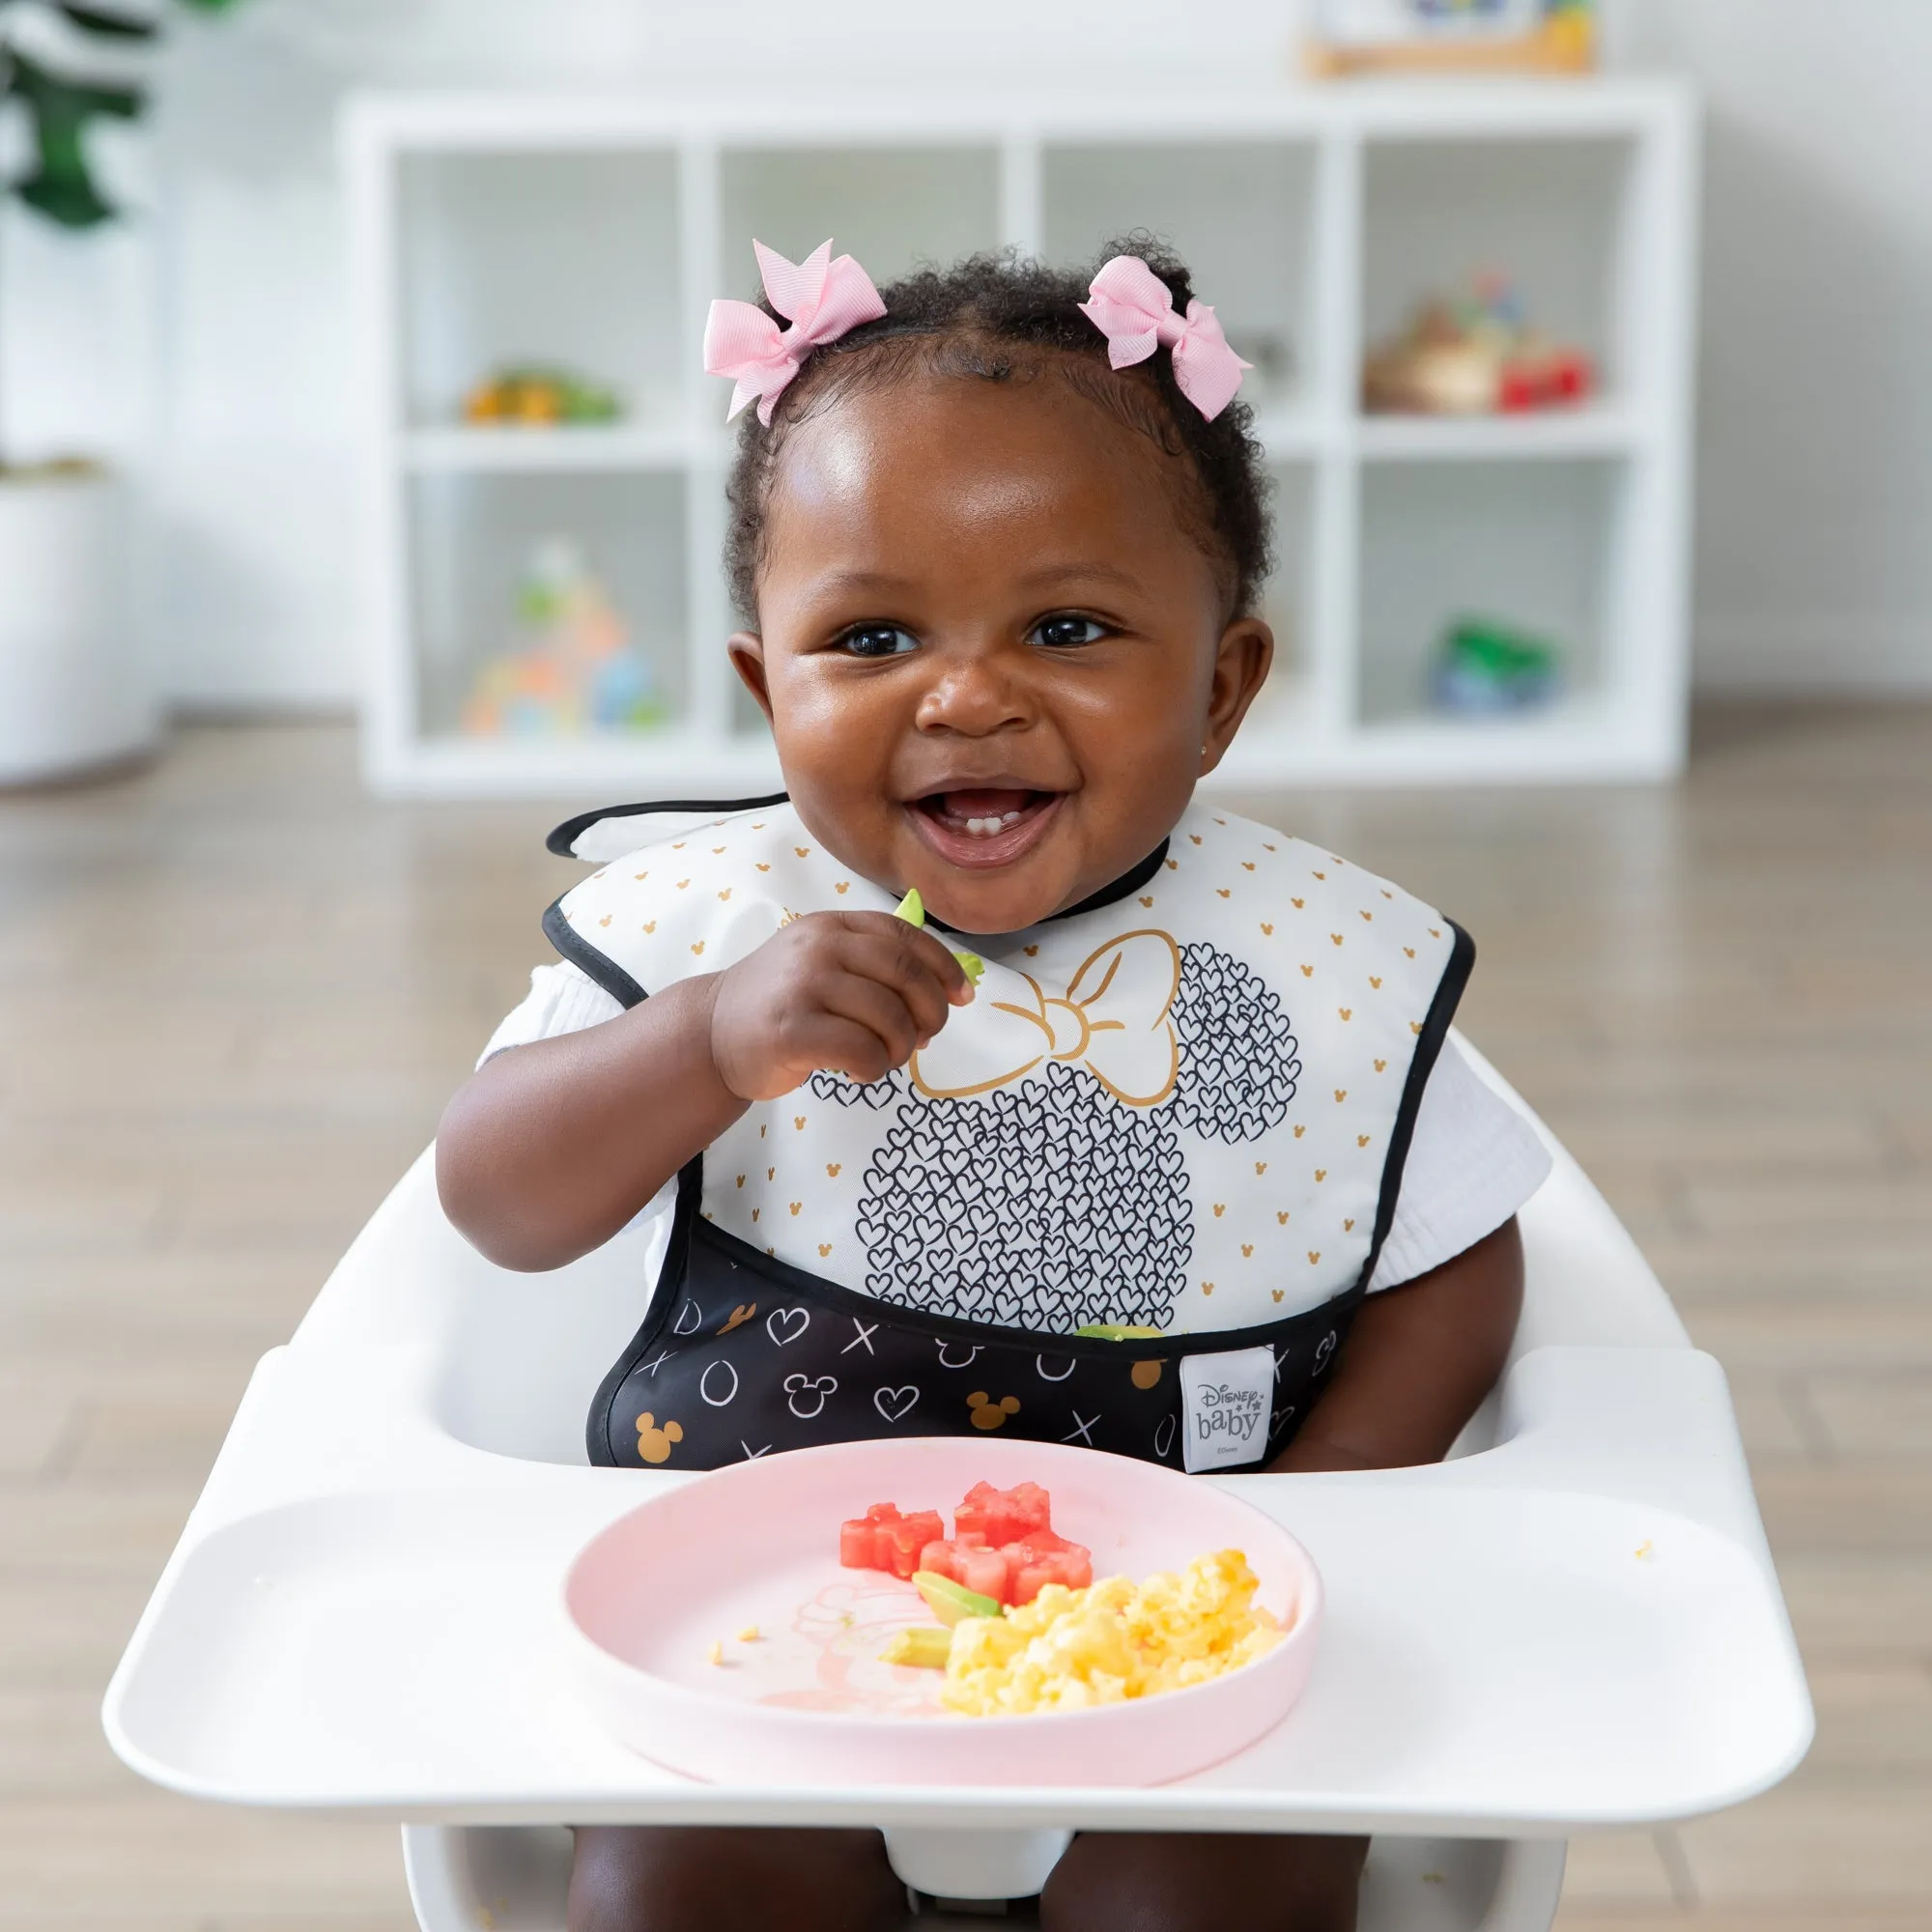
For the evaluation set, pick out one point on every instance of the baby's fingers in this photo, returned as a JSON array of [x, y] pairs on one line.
[[881, 1010], [914, 965]]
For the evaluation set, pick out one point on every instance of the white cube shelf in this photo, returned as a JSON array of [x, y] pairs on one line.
[[594, 232]]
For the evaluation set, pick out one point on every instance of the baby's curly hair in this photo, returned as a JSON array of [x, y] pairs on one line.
[[1001, 318]]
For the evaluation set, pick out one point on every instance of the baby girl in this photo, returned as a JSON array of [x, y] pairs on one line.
[[1151, 1139]]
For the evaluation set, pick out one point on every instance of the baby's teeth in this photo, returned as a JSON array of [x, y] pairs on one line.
[[984, 828]]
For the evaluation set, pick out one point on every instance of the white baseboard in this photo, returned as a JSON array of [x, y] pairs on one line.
[[1813, 653]]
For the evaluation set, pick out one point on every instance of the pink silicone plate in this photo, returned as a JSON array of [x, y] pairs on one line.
[[754, 1548]]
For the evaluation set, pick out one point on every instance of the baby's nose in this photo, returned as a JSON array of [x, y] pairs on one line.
[[976, 694]]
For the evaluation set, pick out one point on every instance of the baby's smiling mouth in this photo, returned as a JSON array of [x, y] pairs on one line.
[[984, 825]]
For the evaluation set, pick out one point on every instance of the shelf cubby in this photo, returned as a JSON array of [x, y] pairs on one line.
[[567, 257], [472, 536], [1530, 546]]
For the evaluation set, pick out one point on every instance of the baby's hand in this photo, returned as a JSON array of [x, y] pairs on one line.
[[853, 992]]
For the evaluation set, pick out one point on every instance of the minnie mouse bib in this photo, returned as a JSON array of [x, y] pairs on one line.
[[1181, 1108]]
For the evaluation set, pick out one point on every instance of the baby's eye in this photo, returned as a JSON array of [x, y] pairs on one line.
[[1059, 633], [879, 640]]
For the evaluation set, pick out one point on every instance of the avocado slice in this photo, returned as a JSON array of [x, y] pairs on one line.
[[925, 1648], [912, 909], [951, 1601]]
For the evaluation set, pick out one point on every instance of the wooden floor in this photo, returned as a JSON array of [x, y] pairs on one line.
[[234, 994]]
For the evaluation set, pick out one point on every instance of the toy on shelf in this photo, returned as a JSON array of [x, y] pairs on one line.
[[1483, 667], [1350, 37], [573, 672], [541, 398], [1475, 354]]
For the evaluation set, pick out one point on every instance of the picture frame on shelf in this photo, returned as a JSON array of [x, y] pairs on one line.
[[1358, 37]]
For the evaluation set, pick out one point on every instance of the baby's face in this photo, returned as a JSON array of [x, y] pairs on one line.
[[994, 661]]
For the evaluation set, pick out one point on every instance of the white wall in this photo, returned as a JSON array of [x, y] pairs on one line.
[[206, 346]]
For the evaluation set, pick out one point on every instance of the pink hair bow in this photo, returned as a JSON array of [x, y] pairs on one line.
[[1134, 308], [825, 300]]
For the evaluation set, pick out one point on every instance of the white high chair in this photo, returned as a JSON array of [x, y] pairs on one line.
[[1578, 1628]]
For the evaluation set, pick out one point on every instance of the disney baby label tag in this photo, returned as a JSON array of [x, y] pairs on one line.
[[1225, 1402]]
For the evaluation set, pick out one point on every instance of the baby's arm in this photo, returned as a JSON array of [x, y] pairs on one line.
[[549, 1149], [1418, 1362]]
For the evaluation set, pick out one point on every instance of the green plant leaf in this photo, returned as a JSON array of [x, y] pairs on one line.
[[60, 185], [109, 25]]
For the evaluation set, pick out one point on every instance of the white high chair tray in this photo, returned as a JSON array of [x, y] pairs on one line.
[[1579, 1627]]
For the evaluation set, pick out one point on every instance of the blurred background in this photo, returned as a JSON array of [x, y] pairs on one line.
[[359, 505]]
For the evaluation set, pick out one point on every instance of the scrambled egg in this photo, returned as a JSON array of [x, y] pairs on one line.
[[1069, 1650]]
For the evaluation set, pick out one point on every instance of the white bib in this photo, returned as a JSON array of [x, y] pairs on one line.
[[1184, 1109]]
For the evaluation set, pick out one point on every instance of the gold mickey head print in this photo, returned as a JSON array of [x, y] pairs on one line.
[[726, 893], [796, 1205], [1247, 864], [1146, 898], [698, 946], [832, 1168], [762, 866], [1030, 951], [716, 849], [1381, 1067], [843, 886], [755, 1213], [741, 1181], [1367, 915], [1348, 1226], [1145, 1374], [607, 919], [771, 1174], [1296, 904], [1220, 821], [1387, 894], [1308, 972], [1206, 1288], [760, 827], [1362, 1140], [654, 1445], [798, 1121], [1341, 1094], [1434, 932], [803, 851], [1336, 937], [1267, 930], [988, 1414], [650, 925], [1261, 1167], [1220, 1209], [1195, 836], [1411, 951], [1375, 982], [1299, 1131], [1266, 847], [1221, 892], [824, 1249], [1248, 1249], [1278, 1292], [640, 875], [1415, 1026], [1322, 1173], [1320, 876], [1280, 1217], [1314, 1256], [682, 883], [1173, 864], [679, 846], [740, 1315], [1347, 1012]]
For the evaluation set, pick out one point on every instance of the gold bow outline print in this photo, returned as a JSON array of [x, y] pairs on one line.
[[1114, 1019]]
